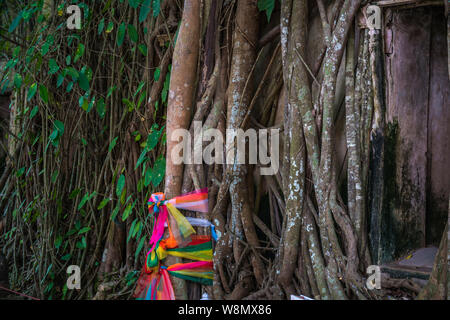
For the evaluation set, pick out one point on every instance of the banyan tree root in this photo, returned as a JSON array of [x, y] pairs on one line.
[[290, 233]]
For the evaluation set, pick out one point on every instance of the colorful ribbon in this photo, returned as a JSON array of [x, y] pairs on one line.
[[167, 211], [200, 248], [154, 282], [199, 271], [155, 285], [198, 222]]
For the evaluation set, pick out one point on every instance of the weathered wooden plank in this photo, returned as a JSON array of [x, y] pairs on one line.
[[438, 132], [392, 3], [408, 3], [408, 82], [448, 244]]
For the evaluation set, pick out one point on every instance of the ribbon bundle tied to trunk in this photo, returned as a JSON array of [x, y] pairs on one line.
[[200, 248], [167, 211], [156, 285], [154, 282]]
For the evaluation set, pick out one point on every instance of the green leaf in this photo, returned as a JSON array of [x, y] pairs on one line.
[[123, 195], [53, 66], [66, 257], [158, 171], [153, 139], [132, 33], [165, 89], [16, 52], [54, 136], [101, 107], [120, 185], [17, 80], [91, 104], [58, 241], [127, 211], [141, 85], [86, 198], [136, 229], [120, 34], [115, 212], [156, 5], [11, 64], [131, 277], [33, 112], [83, 82], [32, 91], [156, 74], [129, 234], [64, 291], [43, 92], [148, 176], [143, 49], [40, 19], [141, 158], [69, 86], [266, 5], [81, 244], [45, 48], [134, 3], [20, 172], [83, 201], [103, 203], [60, 80], [88, 72], [15, 22], [129, 104], [79, 53], [140, 185], [46, 273], [139, 247], [83, 102], [84, 230], [74, 193], [55, 176], [112, 144], [72, 72], [131, 228], [110, 91], [145, 9], [26, 15], [59, 126], [141, 98], [101, 26], [110, 27]]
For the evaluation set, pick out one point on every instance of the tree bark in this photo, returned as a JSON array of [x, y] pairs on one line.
[[180, 104], [245, 39]]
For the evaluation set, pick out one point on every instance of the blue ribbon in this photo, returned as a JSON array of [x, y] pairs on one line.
[[156, 205], [213, 232]]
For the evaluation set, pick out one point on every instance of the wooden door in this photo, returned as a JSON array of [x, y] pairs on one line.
[[418, 134]]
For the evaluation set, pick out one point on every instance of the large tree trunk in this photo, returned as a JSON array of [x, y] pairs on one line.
[[245, 38], [180, 105], [79, 177]]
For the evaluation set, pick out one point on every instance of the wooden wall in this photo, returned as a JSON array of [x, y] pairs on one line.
[[418, 132]]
